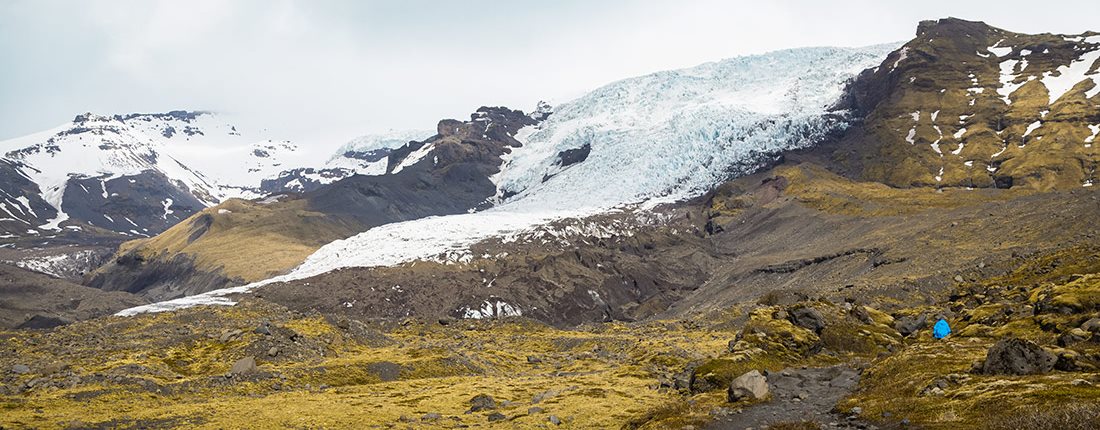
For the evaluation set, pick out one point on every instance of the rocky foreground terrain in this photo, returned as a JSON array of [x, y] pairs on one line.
[[798, 294]]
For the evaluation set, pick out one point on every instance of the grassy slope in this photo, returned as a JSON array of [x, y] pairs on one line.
[[250, 242]]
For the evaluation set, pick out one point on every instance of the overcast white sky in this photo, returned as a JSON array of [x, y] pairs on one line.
[[324, 71]]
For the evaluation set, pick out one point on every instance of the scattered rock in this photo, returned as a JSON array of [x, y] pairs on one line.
[[1080, 383], [497, 416], [808, 318], [20, 369], [244, 366], [482, 402], [1073, 336], [1092, 325], [1014, 356], [431, 416], [958, 278], [273, 351], [856, 410], [752, 385], [533, 360], [538, 398], [682, 380], [534, 410], [860, 313], [263, 329], [446, 321], [908, 325], [230, 335], [554, 420], [1067, 360]]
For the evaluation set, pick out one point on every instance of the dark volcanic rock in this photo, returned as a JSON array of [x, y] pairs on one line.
[[482, 402], [908, 325], [1013, 356], [808, 318]]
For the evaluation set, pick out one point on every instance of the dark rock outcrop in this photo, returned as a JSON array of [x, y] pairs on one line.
[[1014, 356]]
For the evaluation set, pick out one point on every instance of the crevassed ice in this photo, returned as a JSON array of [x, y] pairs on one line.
[[661, 137]]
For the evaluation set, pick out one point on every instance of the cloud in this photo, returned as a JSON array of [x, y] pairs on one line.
[[321, 72]]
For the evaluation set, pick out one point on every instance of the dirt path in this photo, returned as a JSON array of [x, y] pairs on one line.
[[799, 395]]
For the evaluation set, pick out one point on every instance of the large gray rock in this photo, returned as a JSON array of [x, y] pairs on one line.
[[751, 385], [808, 318], [482, 402], [1013, 356], [244, 366], [908, 325]]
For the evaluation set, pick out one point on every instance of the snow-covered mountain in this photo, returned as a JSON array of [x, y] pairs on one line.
[[132, 174], [641, 141], [364, 155]]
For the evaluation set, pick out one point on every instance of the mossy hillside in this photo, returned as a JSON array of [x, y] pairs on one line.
[[1047, 296], [244, 240], [770, 341], [936, 106], [172, 368], [898, 386], [823, 190]]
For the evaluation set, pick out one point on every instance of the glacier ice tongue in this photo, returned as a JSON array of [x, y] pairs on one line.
[[666, 136]]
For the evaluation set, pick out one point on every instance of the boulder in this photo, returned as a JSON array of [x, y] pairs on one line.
[[20, 369], [1014, 356], [860, 313], [751, 385], [497, 416], [808, 318], [482, 402], [908, 325], [244, 366]]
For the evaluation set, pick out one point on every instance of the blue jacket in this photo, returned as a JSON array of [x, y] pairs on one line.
[[941, 329]]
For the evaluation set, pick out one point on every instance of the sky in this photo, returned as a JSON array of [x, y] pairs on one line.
[[321, 72]]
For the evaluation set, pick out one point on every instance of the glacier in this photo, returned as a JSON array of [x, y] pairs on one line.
[[657, 138]]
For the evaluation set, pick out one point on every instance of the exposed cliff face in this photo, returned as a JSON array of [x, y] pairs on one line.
[[969, 105]]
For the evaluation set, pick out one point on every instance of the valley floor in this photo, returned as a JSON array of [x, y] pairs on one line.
[[194, 367]]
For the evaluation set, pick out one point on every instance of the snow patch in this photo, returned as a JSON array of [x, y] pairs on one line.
[[1071, 75]]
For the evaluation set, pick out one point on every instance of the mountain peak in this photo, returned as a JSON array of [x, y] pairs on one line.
[[951, 27], [175, 115]]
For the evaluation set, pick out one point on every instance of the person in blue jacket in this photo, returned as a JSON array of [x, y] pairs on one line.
[[941, 329]]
